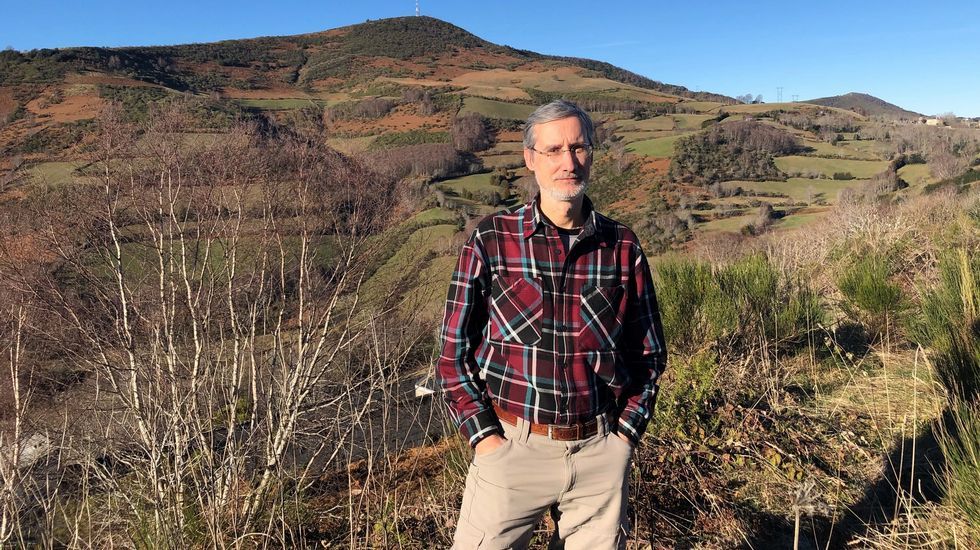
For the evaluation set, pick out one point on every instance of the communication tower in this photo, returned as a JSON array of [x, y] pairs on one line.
[[417, 11]]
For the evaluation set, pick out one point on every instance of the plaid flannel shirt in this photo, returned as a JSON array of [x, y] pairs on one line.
[[553, 336]]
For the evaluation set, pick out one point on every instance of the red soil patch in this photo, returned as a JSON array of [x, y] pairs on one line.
[[72, 108], [26, 250], [7, 102], [401, 119], [510, 136], [635, 199], [656, 165], [327, 83]]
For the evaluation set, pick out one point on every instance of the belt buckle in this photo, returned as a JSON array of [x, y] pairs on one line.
[[577, 436]]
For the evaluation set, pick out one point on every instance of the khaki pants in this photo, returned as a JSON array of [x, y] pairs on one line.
[[582, 483]]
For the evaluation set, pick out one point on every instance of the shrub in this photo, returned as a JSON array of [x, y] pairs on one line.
[[748, 300], [770, 310], [959, 440], [949, 325], [695, 312], [869, 297], [843, 176]]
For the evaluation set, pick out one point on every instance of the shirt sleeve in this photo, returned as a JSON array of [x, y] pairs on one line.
[[645, 351], [462, 332]]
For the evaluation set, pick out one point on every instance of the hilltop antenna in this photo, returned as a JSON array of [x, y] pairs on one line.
[[417, 11], [779, 94]]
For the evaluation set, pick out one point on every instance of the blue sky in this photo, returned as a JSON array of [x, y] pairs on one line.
[[922, 56]]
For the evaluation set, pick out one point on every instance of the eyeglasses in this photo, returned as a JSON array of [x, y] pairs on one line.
[[581, 152]]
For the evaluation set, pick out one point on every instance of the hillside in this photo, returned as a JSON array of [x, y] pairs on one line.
[[308, 60], [223, 268], [866, 105]]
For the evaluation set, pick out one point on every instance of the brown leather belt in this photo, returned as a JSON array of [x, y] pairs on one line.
[[557, 432]]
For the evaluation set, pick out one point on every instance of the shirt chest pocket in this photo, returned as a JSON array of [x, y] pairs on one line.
[[516, 309], [602, 317]]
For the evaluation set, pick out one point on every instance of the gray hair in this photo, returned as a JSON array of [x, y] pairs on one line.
[[557, 110]]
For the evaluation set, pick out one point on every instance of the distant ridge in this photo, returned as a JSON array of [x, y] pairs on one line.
[[344, 53], [867, 105]]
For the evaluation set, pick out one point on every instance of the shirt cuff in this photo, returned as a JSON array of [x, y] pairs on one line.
[[480, 426], [632, 424]]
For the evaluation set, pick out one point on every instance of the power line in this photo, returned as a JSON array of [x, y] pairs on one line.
[[779, 94]]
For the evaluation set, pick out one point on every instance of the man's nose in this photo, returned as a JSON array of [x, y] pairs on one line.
[[568, 160]]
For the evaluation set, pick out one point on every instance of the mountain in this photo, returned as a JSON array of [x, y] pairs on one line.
[[867, 105], [419, 46]]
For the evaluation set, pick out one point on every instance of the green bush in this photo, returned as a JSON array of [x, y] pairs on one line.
[[949, 325], [748, 300], [959, 440], [869, 297], [843, 176], [695, 313]]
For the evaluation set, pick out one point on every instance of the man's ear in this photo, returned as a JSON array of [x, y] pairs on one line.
[[529, 159]]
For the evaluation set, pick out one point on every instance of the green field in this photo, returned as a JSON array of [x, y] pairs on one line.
[[407, 260], [506, 147], [916, 174], [691, 122], [842, 149], [434, 214], [798, 189], [703, 106], [472, 183], [496, 109], [351, 146], [54, 173], [650, 124], [661, 147], [427, 297], [280, 104], [503, 161], [860, 169], [734, 223], [798, 220]]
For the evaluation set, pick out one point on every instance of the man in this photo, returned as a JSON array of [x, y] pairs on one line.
[[551, 350]]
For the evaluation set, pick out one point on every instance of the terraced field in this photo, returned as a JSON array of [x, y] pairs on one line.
[[657, 123], [661, 147], [843, 149], [860, 169], [473, 183], [691, 122], [496, 109], [798, 189]]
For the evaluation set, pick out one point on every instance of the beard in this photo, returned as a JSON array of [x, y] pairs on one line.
[[565, 195]]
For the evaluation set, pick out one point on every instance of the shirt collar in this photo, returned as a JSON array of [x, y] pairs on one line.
[[535, 220]]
